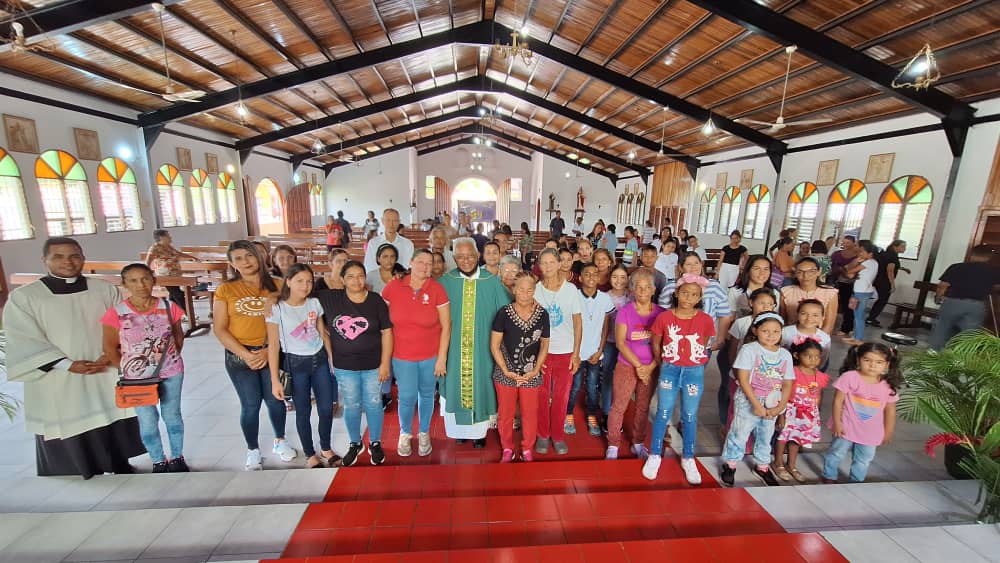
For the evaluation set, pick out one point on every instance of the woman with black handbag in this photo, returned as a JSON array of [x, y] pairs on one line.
[[299, 344], [143, 335]]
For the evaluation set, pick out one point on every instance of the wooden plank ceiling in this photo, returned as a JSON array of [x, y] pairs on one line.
[[681, 49]]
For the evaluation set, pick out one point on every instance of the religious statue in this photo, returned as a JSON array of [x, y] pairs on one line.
[[580, 198], [552, 202]]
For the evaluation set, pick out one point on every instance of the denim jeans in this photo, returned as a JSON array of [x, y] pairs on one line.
[[591, 373], [690, 381], [745, 422], [361, 389], [722, 396], [170, 411], [859, 314], [608, 376], [954, 316], [311, 374], [860, 459], [416, 383], [252, 387]]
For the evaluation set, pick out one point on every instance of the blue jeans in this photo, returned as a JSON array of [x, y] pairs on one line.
[[690, 381], [608, 376], [416, 384], [722, 397], [311, 374], [170, 411], [592, 374], [954, 316], [859, 314], [361, 389], [745, 422], [860, 459], [252, 387]]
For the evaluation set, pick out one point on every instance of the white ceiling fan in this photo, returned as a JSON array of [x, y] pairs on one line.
[[169, 93], [780, 123]]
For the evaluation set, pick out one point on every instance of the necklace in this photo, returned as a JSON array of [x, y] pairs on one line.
[[146, 306], [589, 304]]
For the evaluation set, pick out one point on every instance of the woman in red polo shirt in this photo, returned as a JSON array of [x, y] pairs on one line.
[[421, 321]]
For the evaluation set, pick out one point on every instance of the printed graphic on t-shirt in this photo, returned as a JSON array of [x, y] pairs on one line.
[[640, 332], [671, 349], [766, 376], [350, 327], [307, 329], [251, 306], [555, 315], [866, 407]]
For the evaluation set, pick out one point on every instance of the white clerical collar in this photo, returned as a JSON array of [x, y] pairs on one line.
[[67, 280], [474, 276]]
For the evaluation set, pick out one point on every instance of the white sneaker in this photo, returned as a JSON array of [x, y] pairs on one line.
[[691, 471], [640, 451], [612, 453], [651, 467], [404, 448], [253, 461], [424, 444], [283, 450]]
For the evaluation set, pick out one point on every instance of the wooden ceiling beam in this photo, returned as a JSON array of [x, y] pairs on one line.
[[832, 53], [291, 16], [67, 17], [639, 30], [332, 7], [478, 32], [257, 32], [219, 40]]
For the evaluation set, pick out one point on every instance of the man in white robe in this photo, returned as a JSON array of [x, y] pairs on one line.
[[55, 349]]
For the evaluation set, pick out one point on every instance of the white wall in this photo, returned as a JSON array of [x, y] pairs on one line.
[[373, 184], [601, 196]]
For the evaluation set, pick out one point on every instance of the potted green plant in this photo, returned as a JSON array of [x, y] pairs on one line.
[[957, 390], [8, 404]]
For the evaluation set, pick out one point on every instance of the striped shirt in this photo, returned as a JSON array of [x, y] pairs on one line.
[[714, 300]]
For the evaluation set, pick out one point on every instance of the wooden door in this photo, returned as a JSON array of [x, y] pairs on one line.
[[298, 216]]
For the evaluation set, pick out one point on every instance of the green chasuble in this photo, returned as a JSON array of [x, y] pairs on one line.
[[468, 387]]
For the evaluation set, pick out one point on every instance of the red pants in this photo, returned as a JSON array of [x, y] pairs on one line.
[[557, 380], [507, 400], [627, 382]]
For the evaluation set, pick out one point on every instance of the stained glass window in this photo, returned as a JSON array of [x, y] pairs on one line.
[[170, 189], [902, 213], [802, 210], [316, 200], [225, 191], [729, 218], [119, 196], [706, 211], [845, 210], [758, 205], [15, 224], [269, 203], [202, 197], [65, 194]]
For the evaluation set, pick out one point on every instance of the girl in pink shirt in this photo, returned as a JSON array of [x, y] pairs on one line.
[[864, 410]]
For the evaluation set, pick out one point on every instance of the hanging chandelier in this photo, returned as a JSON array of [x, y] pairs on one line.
[[516, 49], [921, 72]]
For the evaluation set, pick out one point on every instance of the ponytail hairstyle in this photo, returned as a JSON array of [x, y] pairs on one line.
[[266, 281], [293, 270], [893, 376], [806, 344]]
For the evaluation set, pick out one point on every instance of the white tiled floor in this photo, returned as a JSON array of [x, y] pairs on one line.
[[938, 544]]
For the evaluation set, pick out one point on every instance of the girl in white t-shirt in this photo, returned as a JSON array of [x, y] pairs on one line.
[[809, 319], [864, 289], [295, 329], [666, 261]]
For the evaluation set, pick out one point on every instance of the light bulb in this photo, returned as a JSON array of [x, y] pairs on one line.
[[584, 161], [709, 127], [317, 146], [919, 67], [489, 142], [524, 31], [482, 111], [568, 174], [631, 155], [572, 156], [295, 177], [125, 153], [230, 168], [472, 167], [242, 110], [476, 140]]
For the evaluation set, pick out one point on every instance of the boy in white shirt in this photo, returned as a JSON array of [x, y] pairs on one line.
[[596, 308]]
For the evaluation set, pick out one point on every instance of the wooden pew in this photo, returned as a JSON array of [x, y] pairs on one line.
[[914, 312], [186, 283]]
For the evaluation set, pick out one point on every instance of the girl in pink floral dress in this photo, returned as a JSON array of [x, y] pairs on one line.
[[801, 428]]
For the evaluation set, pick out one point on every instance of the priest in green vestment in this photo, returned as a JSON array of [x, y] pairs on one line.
[[468, 398]]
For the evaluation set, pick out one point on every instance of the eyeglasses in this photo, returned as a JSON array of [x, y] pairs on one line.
[[810, 272]]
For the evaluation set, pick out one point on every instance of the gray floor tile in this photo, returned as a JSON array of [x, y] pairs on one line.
[[894, 504], [937, 498], [13, 525], [832, 500], [984, 539], [250, 487], [54, 538], [82, 495], [194, 532], [933, 545], [124, 535], [791, 508], [868, 546], [261, 529], [141, 492]]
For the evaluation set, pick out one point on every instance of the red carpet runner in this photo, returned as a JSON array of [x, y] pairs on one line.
[[460, 505]]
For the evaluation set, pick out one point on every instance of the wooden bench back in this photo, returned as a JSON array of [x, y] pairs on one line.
[[21, 278]]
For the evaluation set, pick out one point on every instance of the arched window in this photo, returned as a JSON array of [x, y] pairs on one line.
[[902, 212], [170, 187], [119, 196], [270, 207], [316, 200], [803, 207], [202, 197], [706, 211], [729, 219], [15, 224], [65, 194], [225, 190], [758, 204], [845, 210]]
